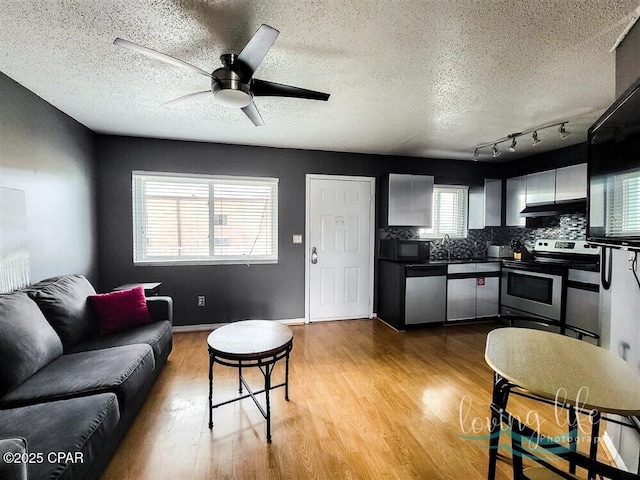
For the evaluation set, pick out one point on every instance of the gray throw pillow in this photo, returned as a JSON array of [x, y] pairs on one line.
[[27, 341], [63, 300]]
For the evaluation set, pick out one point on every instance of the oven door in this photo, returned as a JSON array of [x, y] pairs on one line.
[[537, 293]]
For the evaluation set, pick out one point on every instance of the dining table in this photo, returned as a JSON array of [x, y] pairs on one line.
[[563, 371]]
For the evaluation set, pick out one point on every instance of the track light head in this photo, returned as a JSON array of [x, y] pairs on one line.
[[495, 151], [563, 132], [535, 138], [512, 147]]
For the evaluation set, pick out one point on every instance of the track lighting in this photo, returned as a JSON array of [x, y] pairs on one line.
[[512, 138], [535, 138], [563, 132]]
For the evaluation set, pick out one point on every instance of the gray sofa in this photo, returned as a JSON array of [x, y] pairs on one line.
[[67, 394]]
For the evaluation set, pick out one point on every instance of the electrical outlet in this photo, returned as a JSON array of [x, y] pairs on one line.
[[201, 300]]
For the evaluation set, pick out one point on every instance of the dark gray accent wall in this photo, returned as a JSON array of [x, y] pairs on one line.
[[50, 157], [235, 292]]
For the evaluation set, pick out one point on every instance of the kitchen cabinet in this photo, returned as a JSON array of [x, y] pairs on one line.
[[485, 205], [406, 201], [571, 183], [473, 291], [583, 299], [516, 201], [541, 187]]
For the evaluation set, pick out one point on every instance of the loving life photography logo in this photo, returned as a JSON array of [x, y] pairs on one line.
[[478, 429]]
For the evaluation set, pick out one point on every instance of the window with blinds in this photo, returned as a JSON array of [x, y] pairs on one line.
[[184, 219], [623, 205], [450, 212]]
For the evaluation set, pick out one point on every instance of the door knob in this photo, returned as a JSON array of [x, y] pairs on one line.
[[314, 255]]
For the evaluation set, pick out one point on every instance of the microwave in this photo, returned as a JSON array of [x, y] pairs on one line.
[[400, 250]]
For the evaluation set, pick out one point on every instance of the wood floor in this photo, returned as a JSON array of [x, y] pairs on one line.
[[366, 402]]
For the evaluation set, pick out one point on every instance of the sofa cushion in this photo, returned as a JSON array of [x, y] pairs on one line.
[[121, 370], [27, 341], [80, 426], [13, 467], [63, 300], [121, 310], [158, 335]]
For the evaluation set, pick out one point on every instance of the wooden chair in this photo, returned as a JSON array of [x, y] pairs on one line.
[[554, 461]]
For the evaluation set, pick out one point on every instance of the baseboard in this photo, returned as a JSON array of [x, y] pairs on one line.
[[212, 326]]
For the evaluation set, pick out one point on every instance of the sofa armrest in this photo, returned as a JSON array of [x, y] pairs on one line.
[[160, 308], [14, 469]]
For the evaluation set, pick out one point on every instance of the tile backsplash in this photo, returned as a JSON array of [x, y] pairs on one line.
[[570, 226]]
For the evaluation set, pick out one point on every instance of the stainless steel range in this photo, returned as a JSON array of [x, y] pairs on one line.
[[537, 286]]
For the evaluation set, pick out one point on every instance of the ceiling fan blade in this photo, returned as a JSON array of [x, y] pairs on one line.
[[262, 88], [254, 51], [251, 111], [159, 56], [187, 98]]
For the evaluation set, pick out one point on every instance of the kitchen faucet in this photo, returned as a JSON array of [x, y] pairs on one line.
[[446, 244]]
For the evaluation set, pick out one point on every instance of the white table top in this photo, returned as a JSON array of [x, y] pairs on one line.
[[545, 363], [250, 339]]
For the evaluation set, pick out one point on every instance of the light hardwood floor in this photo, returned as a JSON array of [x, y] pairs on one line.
[[366, 403]]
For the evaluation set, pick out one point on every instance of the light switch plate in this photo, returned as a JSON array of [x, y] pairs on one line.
[[297, 238]]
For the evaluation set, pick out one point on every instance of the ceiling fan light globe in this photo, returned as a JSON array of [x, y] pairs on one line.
[[232, 98]]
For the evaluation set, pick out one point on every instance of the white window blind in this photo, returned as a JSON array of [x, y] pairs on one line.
[[623, 205], [204, 219], [450, 212]]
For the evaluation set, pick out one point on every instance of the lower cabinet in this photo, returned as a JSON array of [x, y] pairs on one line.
[[473, 291]]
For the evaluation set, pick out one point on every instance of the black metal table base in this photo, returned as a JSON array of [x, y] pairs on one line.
[[502, 389], [266, 366]]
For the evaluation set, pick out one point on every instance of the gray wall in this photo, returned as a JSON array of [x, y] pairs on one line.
[[50, 157], [234, 292]]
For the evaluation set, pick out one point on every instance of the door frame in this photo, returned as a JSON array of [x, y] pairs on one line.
[[307, 244]]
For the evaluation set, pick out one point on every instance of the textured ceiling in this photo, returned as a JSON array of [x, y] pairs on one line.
[[414, 77]]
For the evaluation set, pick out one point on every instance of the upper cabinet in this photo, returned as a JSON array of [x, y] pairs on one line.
[[406, 201], [516, 201], [541, 187], [558, 185], [571, 183], [485, 205]]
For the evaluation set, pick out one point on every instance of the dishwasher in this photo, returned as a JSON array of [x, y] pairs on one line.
[[425, 294]]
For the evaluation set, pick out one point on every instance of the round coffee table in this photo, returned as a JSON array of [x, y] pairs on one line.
[[251, 343]]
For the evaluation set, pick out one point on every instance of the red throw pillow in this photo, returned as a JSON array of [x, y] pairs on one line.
[[121, 310]]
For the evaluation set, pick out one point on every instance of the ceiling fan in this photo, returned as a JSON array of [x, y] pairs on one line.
[[233, 84]]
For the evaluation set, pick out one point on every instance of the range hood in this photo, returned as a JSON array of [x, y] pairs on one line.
[[553, 209]]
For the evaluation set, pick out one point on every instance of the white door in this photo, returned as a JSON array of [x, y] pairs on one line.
[[340, 242]]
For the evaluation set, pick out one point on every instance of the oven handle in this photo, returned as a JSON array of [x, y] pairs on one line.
[[533, 273]]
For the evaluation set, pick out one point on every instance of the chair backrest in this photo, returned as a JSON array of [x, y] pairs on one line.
[[551, 325], [553, 457]]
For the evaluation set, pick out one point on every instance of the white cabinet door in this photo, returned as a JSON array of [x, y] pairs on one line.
[[487, 296], [516, 200], [410, 200], [541, 187], [461, 299], [571, 182], [485, 205]]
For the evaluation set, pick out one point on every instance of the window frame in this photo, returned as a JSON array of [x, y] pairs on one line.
[[139, 254], [434, 232]]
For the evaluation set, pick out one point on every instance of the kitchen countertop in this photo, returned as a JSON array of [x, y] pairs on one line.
[[449, 262]]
